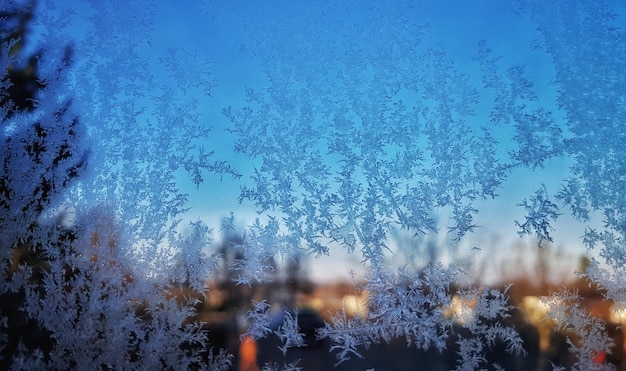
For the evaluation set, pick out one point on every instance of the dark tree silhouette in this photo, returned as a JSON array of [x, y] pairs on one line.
[[21, 206]]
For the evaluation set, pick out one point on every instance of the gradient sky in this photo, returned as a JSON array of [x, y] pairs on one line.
[[456, 24], [218, 33]]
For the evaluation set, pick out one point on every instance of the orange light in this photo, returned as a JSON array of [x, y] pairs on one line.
[[247, 354]]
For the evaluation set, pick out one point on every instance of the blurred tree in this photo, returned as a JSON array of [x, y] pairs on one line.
[[21, 206], [232, 253]]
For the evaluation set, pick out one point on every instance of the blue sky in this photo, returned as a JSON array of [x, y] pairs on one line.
[[455, 24], [218, 33]]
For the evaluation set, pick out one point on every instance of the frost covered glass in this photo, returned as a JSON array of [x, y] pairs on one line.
[[181, 182]]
